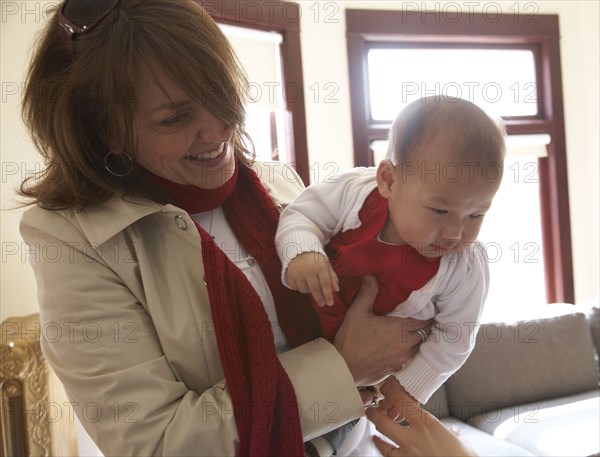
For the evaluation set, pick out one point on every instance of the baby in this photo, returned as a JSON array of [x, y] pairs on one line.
[[413, 222]]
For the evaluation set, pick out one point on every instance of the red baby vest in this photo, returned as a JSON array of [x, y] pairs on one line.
[[399, 269]]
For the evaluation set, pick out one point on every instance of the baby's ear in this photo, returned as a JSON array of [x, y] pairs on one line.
[[386, 172]]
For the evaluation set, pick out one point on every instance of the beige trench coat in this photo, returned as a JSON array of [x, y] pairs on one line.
[[126, 325]]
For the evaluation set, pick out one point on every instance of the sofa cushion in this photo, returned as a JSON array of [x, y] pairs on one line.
[[482, 443], [560, 427], [525, 362]]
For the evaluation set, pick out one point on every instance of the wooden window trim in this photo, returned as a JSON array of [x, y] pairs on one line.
[[537, 32], [283, 18]]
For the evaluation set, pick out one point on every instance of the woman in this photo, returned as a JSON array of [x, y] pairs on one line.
[[176, 336]]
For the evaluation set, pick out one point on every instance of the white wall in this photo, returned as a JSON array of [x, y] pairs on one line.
[[328, 121], [19, 21]]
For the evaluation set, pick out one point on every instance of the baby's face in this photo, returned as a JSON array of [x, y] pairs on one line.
[[438, 208]]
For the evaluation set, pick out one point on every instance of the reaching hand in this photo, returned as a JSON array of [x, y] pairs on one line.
[[311, 272], [396, 400], [424, 435]]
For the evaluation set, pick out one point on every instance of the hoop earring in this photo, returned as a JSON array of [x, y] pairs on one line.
[[130, 164]]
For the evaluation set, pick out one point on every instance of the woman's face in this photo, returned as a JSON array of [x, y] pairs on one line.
[[180, 140]]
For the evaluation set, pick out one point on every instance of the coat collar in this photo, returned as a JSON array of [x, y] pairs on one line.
[[101, 222]]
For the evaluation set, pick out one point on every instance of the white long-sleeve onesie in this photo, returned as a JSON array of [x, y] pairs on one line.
[[454, 296]]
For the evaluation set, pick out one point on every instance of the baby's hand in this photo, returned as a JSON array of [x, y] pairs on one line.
[[396, 400], [311, 272]]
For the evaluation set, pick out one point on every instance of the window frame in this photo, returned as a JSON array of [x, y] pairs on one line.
[[283, 18], [540, 33]]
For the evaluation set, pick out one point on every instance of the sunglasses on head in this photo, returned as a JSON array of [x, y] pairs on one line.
[[78, 17]]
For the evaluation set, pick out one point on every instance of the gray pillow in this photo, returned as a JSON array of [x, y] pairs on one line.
[[524, 362]]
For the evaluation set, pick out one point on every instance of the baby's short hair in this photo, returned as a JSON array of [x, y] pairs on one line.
[[452, 128]]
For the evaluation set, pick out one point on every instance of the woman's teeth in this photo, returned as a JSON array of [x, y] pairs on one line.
[[209, 155]]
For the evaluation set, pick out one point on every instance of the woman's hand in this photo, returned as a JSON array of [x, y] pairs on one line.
[[375, 346], [396, 399], [424, 436]]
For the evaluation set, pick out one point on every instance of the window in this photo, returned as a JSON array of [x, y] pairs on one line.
[[260, 55], [514, 247], [276, 114], [501, 81], [395, 57]]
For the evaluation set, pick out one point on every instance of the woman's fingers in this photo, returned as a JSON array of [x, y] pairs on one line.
[[386, 425], [386, 449], [363, 303], [392, 340]]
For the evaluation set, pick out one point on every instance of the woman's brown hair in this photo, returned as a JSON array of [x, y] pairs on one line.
[[81, 93]]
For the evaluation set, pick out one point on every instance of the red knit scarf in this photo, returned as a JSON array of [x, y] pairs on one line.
[[264, 402]]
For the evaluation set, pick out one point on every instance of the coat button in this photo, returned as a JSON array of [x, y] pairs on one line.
[[251, 261], [181, 223]]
